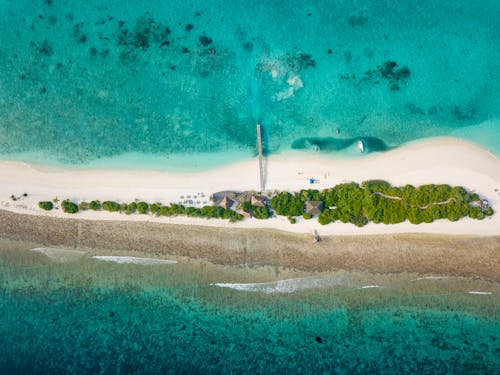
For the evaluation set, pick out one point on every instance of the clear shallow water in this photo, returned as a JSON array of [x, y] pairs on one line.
[[89, 316], [83, 81]]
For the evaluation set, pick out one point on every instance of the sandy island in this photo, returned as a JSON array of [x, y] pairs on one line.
[[436, 160], [464, 248]]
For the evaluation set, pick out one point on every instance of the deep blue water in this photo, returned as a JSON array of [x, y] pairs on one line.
[[91, 317], [86, 81]]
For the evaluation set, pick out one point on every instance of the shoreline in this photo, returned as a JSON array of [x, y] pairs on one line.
[[435, 160], [138, 159], [467, 256]]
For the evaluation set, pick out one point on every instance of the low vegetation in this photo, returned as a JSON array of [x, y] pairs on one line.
[[95, 205], [257, 211], [111, 206], [208, 212], [46, 205], [372, 201], [379, 202], [69, 207]]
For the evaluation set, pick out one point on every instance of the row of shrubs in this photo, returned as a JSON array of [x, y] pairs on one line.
[[375, 201], [352, 203], [290, 204], [145, 208], [257, 212]]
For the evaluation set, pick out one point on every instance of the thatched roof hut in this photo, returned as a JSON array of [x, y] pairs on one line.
[[226, 203], [314, 207], [258, 201]]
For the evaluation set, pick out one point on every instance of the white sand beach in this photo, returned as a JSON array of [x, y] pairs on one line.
[[435, 160]]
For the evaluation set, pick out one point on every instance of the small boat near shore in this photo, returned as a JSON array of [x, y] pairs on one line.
[[361, 146]]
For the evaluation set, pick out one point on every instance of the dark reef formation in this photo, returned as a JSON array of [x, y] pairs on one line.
[[44, 47], [389, 72], [145, 32], [464, 112], [300, 61], [357, 20], [205, 40]]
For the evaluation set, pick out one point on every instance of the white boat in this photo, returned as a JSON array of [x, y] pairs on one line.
[[361, 146]]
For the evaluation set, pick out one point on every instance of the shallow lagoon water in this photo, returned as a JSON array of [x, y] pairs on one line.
[[88, 316], [86, 82], [124, 85]]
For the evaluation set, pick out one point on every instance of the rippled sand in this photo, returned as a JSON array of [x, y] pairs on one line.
[[422, 254]]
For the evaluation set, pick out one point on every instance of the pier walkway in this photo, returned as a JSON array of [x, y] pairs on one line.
[[261, 165]]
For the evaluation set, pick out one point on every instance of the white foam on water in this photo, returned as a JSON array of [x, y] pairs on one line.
[[133, 260], [60, 255], [481, 293], [430, 278], [370, 286], [288, 285]]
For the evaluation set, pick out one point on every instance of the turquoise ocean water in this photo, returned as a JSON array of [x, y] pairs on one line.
[[137, 84], [145, 84], [94, 317]]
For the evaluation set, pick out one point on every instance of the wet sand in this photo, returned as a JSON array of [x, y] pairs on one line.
[[422, 254]]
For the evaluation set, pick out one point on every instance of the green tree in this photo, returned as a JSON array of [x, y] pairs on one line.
[[261, 212], [142, 208], [193, 212], [111, 206], [132, 207], [155, 208], [166, 211], [476, 213], [327, 216], [359, 221], [69, 207], [330, 197], [95, 205], [46, 205], [247, 206], [287, 204]]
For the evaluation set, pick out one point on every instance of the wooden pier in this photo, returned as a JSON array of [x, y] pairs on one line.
[[261, 165]]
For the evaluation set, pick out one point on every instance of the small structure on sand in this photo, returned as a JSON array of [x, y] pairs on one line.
[[226, 203], [484, 204], [316, 236], [314, 207], [258, 201]]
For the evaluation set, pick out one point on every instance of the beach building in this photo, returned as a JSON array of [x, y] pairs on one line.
[[314, 207], [226, 203], [258, 201], [484, 204]]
